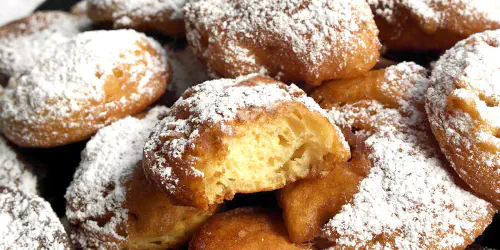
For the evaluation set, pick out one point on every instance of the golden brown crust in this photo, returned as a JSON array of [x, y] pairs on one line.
[[148, 17], [245, 229], [441, 27], [270, 37], [309, 204], [39, 127], [184, 144], [462, 105]]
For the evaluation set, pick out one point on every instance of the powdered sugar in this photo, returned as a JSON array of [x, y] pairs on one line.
[[14, 9], [72, 79], [470, 73], [23, 43], [315, 30], [409, 199], [434, 13], [98, 187], [28, 222], [408, 193], [13, 172], [213, 104], [124, 11]]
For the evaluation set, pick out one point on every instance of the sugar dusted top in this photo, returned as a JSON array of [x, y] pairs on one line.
[[127, 10], [13, 172], [214, 104], [73, 79], [315, 30], [28, 222], [22, 43], [409, 199], [98, 187], [433, 13]]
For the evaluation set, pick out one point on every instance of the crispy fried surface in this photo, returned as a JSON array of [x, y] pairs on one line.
[[245, 229], [235, 37], [260, 148]]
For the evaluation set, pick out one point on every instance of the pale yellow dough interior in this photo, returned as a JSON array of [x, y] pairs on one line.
[[266, 154]]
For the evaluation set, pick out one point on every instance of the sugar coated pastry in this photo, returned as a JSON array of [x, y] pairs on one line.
[[24, 41], [432, 24], [292, 40], [95, 78], [163, 16], [246, 229], [14, 172], [28, 222], [410, 199], [110, 203], [242, 135], [309, 204], [463, 104]]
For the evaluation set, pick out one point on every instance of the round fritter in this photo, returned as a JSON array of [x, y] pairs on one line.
[[93, 79], [432, 24], [245, 229], [291, 40], [111, 205], [463, 104], [243, 135]]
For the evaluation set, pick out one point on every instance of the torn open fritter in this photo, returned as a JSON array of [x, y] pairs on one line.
[[161, 16], [28, 222], [243, 135], [409, 198], [292, 40], [93, 79], [245, 229], [421, 25], [14, 171], [111, 205], [24, 41], [463, 104]]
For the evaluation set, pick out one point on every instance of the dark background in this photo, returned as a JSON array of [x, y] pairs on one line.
[[56, 166]]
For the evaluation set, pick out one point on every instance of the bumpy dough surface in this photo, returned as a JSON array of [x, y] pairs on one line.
[[432, 24], [243, 135], [245, 229], [162, 16], [292, 40], [91, 80], [463, 104]]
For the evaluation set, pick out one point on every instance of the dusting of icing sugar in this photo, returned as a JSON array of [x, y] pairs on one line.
[[316, 30], [108, 160], [470, 72], [409, 199], [435, 12], [213, 104], [28, 222], [13, 172], [124, 11], [23, 43], [408, 196], [69, 80]]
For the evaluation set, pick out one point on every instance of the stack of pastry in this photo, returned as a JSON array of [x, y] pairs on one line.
[[291, 98]]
